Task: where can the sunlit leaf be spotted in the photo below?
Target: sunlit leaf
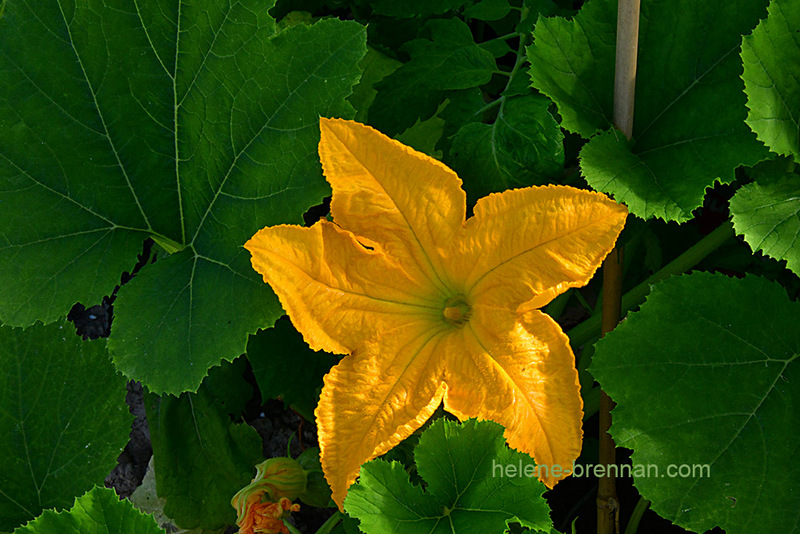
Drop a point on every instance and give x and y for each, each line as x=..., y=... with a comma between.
x=767, y=213
x=689, y=130
x=466, y=468
x=99, y=511
x=771, y=57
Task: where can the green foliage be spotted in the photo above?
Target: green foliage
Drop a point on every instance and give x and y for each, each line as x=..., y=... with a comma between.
x=195, y=124
x=707, y=374
x=99, y=511
x=415, y=8
x=286, y=368
x=463, y=466
x=689, y=129
x=771, y=57
x=63, y=419
x=488, y=10
x=449, y=59
x=767, y=213
x=201, y=457
x=572, y=62
x=523, y=146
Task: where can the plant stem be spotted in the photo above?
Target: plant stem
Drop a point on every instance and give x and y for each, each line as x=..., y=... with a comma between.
x=624, y=89
x=636, y=516
x=607, y=502
x=517, y=64
x=331, y=523
x=590, y=328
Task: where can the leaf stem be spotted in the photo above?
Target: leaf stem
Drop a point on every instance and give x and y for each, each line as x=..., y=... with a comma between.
x=589, y=329
x=636, y=516
x=505, y=37
x=517, y=64
x=328, y=526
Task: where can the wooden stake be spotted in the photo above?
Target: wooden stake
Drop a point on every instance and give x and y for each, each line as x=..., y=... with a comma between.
x=624, y=91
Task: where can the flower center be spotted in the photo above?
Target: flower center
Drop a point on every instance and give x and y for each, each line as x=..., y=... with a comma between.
x=456, y=311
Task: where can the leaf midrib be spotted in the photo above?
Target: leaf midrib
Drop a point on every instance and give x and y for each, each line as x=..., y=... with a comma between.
x=100, y=116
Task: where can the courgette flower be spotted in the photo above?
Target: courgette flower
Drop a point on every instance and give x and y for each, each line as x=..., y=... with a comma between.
x=431, y=307
x=262, y=505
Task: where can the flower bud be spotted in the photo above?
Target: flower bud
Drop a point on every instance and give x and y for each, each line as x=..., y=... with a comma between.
x=262, y=504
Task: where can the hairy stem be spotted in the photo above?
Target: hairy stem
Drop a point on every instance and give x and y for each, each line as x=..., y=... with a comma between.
x=589, y=329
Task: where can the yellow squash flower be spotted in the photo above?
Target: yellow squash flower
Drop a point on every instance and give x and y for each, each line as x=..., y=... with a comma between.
x=432, y=307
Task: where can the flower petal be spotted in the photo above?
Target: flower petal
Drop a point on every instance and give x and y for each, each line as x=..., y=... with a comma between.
x=522, y=375
x=337, y=292
x=391, y=194
x=523, y=247
x=375, y=398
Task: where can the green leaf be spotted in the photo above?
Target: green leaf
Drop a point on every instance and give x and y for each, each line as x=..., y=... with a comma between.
x=201, y=457
x=469, y=488
x=99, y=511
x=707, y=374
x=689, y=129
x=318, y=492
x=63, y=419
x=767, y=214
x=463, y=107
x=415, y=8
x=572, y=62
x=286, y=368
x=524, y=146
x=375, y=66
x=771, y=57
x=450, y=59
x=488, y=10
x=195, y=123
x=424, y=136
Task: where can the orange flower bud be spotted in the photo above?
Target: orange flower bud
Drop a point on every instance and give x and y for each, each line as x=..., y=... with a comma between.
x=262, y=505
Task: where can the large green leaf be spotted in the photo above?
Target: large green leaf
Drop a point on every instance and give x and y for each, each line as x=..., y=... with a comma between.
x=450, y=59
x=707, y=375
x=471, y=487
x=63, y=419
x=767, y=214
x=99, y=511
x=689, y=130
x=524, y=146
x=194, y=123
x=201, y=457
x=771, y=57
